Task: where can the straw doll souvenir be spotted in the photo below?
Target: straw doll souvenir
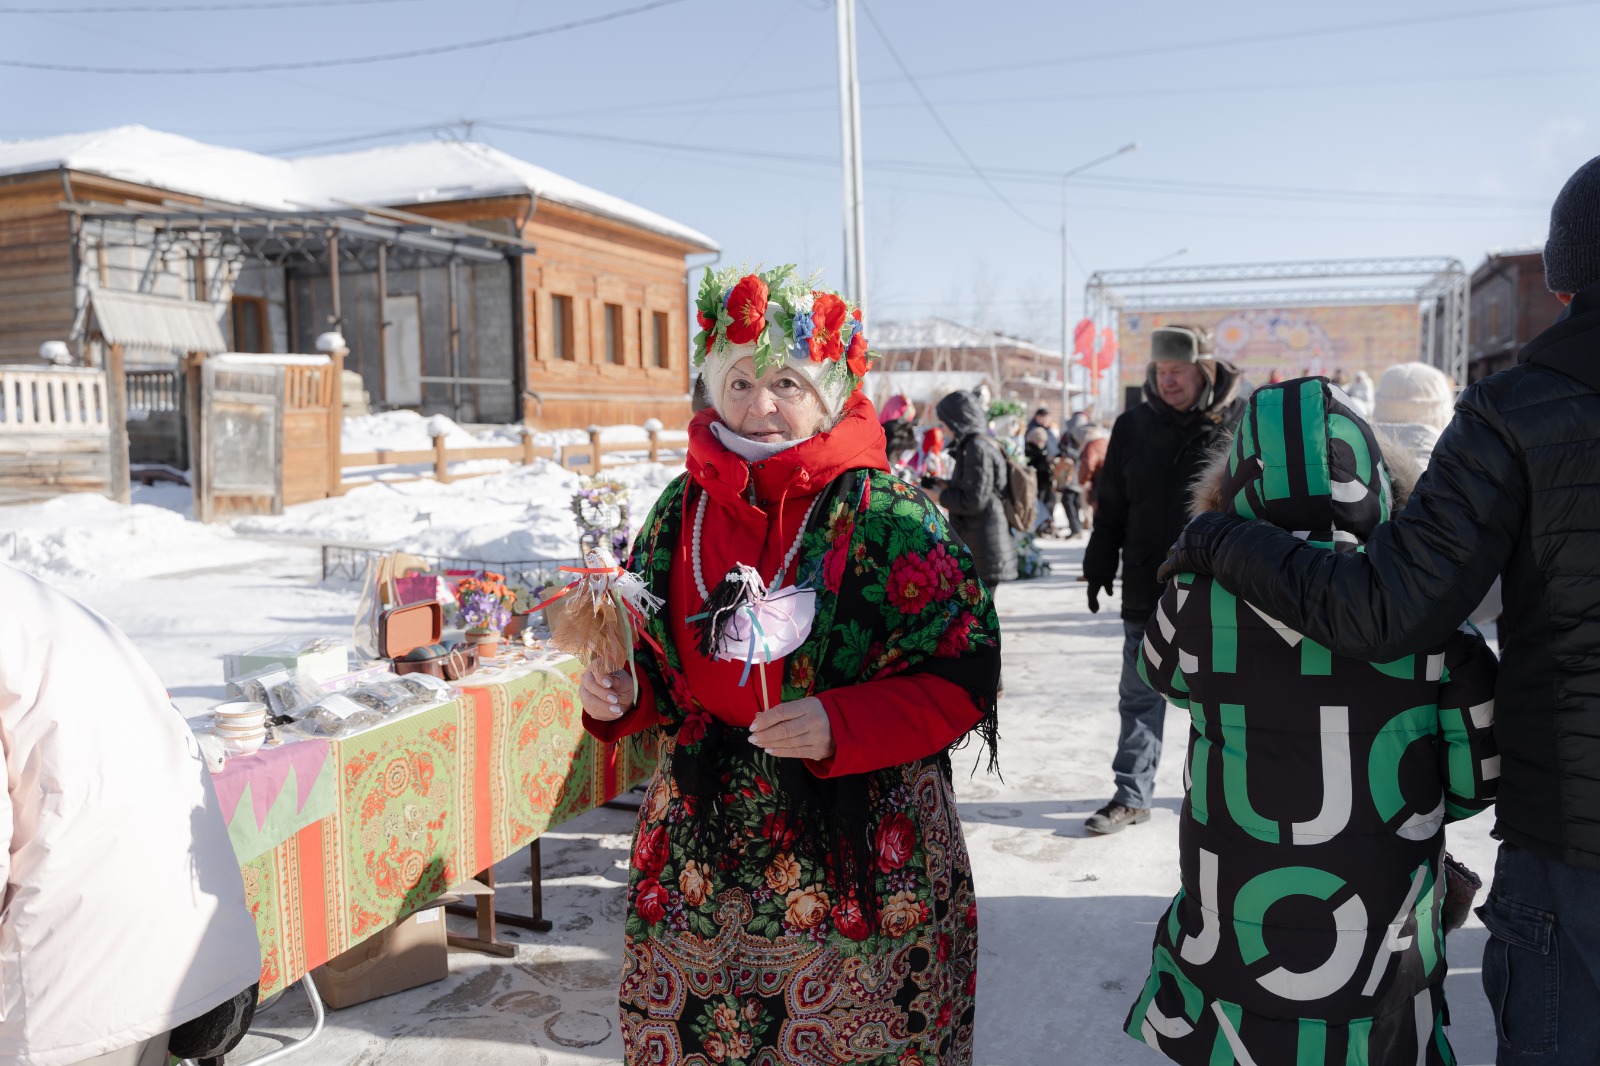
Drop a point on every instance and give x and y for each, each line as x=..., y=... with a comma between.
x=799, y=887
x=606, y=604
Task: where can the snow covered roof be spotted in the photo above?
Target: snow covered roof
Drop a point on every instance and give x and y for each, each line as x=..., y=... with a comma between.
x=433, y=171
x=933, y=332
x=163, y=160
x=393, y=176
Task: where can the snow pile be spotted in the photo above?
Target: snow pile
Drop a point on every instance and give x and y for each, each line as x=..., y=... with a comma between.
x=521, y=513
x=408, y=431
x=86, y=538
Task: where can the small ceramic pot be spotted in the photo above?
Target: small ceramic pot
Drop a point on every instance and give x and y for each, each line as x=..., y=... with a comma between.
x=487, y=641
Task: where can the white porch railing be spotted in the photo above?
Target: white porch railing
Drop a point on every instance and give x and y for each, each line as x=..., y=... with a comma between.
x=52, y=401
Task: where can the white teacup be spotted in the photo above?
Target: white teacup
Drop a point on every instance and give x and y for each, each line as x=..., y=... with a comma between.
x=243, y=745
x=240, y=711
x=239, y=732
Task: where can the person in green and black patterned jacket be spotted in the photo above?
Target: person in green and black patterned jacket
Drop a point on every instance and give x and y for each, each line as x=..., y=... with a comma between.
x=1317, y=786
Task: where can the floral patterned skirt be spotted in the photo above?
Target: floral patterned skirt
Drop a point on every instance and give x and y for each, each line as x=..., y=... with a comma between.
x=747, y=953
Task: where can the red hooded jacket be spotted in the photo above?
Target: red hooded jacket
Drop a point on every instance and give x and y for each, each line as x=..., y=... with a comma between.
x=876, y=724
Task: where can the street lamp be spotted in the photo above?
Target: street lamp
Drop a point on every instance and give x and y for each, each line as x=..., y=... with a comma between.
x=1066, y=320
x=1158, y=260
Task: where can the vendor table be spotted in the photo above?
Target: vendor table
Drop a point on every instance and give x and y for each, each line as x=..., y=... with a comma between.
x=339, y=839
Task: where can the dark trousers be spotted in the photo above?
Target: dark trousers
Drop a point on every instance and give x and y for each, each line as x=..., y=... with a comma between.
x=1071, y=502
x=1541, y=966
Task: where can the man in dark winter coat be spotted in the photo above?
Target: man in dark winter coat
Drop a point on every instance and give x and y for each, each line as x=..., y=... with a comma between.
x=1512, y=491
x=973, y=494
x=1157, y=448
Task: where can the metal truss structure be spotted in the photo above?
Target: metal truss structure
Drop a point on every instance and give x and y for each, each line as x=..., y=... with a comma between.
x=307, y=242
x=1437, y=285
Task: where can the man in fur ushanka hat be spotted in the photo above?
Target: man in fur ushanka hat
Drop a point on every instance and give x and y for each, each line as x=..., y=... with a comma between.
x=1156, y=448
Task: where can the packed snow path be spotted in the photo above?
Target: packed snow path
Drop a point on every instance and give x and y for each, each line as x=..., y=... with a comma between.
x=1065, y=919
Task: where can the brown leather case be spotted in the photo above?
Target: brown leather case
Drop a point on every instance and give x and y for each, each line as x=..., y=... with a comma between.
x=402, y=628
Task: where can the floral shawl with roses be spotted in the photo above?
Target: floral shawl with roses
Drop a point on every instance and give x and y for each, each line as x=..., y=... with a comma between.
x=776, y=917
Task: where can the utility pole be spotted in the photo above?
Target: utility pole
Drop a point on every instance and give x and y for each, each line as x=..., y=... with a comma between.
x=855, y=226
x=1066, y=319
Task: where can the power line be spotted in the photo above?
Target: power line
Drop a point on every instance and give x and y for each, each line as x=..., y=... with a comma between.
x=1048, y=177
x=1091, y=57
x=323, y=64
x=378, y=135
x=1268, y=38
x=194, y=8
x=939, y=120
x=656, y=110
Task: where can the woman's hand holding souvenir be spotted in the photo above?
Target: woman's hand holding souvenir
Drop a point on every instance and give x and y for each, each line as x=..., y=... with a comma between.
x=797, y=730
x=606, y=697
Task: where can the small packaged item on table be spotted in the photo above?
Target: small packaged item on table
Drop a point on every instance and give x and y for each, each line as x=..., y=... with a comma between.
x=335, y=716
x=282, y=689
x=429, y=687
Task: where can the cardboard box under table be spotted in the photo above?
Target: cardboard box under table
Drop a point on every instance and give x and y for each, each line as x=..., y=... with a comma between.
x=415, y=806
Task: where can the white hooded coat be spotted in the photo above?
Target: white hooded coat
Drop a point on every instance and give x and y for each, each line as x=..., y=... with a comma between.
x=123, y=911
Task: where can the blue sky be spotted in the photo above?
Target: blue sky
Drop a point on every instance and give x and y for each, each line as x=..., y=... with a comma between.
x=1452, y=133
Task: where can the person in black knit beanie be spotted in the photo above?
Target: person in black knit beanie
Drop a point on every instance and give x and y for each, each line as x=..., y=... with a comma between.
x=1572, y=251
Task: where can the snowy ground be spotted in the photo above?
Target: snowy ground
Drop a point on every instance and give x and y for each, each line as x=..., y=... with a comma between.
x=1065, y=919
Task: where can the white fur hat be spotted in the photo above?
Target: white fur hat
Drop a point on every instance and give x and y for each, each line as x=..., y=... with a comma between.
x=834, y=389
x=1414, y=392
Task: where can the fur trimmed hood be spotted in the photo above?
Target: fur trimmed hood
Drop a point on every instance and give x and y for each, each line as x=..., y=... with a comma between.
x=1218, y=486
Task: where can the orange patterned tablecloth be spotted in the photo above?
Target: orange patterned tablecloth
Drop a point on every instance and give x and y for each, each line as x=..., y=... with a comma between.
x=425, y=802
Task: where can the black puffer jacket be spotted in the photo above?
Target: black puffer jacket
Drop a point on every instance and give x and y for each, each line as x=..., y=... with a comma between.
x=1513, y=489
x=977, y=514
x=1152, y=461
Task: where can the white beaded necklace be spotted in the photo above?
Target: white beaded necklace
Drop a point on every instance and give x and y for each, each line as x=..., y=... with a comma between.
x=794, y=549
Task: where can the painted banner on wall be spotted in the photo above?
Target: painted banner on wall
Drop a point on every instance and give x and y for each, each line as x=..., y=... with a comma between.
x=1293, y=341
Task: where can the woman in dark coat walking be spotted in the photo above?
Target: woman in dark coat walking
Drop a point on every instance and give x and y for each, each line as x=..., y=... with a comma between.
x=1035, y=447
x=973, y=495
x=1308, y=926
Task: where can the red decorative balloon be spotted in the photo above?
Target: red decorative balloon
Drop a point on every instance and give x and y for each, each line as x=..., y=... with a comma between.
x=1083, y=338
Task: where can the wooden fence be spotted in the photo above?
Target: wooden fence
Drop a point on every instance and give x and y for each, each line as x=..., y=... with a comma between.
x=55, y=433
x=589, y=458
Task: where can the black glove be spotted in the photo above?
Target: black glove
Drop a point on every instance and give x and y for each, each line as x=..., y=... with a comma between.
x=1095, y=585
x=1195, y=547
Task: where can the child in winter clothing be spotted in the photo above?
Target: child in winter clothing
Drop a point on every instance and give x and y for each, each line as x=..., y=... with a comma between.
x=1316, y=788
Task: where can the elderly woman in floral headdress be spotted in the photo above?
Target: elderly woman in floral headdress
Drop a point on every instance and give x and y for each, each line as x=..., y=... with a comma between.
x=800, y=890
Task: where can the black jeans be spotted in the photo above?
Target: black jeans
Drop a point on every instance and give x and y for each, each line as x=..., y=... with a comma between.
x=1071, y=502
x=1541, y=966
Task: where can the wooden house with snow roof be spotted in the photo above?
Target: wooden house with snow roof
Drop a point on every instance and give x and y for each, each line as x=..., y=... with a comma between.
x=925, y=358
x=464, y=281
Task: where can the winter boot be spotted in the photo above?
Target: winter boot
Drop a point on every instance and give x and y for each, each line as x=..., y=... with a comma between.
x=1114, y=818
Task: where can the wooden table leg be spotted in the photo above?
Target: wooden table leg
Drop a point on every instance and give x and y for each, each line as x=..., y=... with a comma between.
x=483, y=909
x=487, y=942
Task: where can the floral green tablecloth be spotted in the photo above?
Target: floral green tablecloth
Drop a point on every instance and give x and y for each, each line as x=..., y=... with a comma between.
x=425, y=802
